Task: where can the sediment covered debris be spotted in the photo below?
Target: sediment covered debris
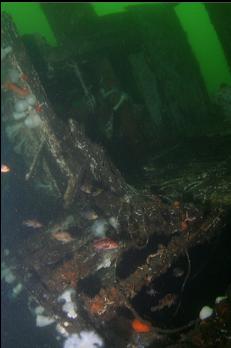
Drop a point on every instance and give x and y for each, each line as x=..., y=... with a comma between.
x=113, y=243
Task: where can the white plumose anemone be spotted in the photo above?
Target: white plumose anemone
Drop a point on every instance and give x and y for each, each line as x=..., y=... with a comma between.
x=31, y=99
x=99, y=228
x=113, y=221
x=220, y=299
x=205, y=312
x=42, y=320
x=17, y=290
x=39, y=310
x=21, y=105
x=61, y=330
x=85, y=339
x=7, y=274
x=33, y=120
x=13, y=75
x=70, y=308
x=19, y=115
x=66, y=295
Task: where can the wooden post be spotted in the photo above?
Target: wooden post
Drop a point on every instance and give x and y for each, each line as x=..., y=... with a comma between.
x=220, y=17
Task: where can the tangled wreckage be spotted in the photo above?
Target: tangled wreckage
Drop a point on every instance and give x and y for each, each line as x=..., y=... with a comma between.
x=131, y=258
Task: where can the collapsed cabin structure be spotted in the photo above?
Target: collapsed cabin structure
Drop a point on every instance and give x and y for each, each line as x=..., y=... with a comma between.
x=177, y=209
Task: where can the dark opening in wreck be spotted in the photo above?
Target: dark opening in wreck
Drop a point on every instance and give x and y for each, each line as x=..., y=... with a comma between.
x=209, y=276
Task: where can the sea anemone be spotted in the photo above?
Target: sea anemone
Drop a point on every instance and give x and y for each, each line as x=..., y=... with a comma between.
x=42, y=320
x=66, y=295
x=19, y=115
x=113, y=221
x=205, y=312
x=61, y=330
x=21, y=105
x=33, y=120
x=21, y=137
x=13, y=130
x=7, y=274
x=17, y=290
x=69, y=306
x=70, y=309
x=85, y=339
x=13, y=75
x=5, y=51
x=39, y=310
x=99, y=228
x=31, y=99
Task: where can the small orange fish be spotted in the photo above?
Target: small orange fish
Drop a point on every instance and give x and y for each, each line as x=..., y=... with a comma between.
x=176, y=205
x=62, y=236
x=184, y=226
x=166, y=302
x=5, y=168
x=32, y=223
x=89, y=215
x=105, y=244
x=24, y=77
x=20, y=91
x=141, y=326
x=39, y=107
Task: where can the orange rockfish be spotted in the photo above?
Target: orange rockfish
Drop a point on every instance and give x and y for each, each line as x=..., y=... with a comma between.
x=32, y=223
x=141, y=326
x=105, y=244
x=5, y=168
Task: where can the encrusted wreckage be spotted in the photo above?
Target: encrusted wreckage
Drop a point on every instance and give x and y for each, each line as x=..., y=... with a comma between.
x=112, y=242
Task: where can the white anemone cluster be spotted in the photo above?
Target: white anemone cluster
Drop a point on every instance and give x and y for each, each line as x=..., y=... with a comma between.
x=42, y=320
x=7, y=274
x=205, y=312
x=69, y=307
x=85, y=339
x=99, y=228
x=24, y=109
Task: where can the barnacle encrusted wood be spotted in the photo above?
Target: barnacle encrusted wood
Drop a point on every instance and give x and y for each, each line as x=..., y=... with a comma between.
x=50, y=137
